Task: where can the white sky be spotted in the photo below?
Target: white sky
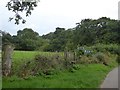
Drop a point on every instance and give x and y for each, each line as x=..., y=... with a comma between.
x=59, y=13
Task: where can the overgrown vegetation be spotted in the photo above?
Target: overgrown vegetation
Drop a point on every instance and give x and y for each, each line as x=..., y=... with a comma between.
x=80, y=78
x=36, y=63
x=50, y=70
x=77, y=57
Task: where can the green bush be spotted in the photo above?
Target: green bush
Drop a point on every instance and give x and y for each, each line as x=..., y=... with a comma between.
x=98, y=48
x=93, y=59
x=102, y=58
x=112, y=48
x=42, y=65
x=118, y=59
x=84, y=60
x=76, y=66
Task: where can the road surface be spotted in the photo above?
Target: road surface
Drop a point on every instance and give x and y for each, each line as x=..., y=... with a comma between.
x=112, y=80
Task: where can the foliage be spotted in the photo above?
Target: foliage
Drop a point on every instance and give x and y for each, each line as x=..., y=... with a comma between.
x=102, y=30
x=88, y=32
x=6, y=38
x=102, y=58
x=118, y=59
x=27, y=39
x=91, y=41
x=81, y=78
x=36, y=63
x=103, y=33
x=20, y=58
x=18, y=6
x=112, y=48
x=60, y=40
x=43, y=63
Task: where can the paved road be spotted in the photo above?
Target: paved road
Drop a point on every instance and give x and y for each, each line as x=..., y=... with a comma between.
x=111, y=81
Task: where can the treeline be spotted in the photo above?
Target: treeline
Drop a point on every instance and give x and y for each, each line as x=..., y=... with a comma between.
x=88, y=32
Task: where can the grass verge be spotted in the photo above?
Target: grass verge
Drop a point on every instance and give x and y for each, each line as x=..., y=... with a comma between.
x=88, y=76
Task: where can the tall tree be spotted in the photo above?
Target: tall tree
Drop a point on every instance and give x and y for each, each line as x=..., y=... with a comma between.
x=103, y=30
x=18, y=6
x=27, y=39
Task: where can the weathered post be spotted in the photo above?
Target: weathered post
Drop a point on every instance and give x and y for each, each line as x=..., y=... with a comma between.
x=66, y=59
x=7, y=59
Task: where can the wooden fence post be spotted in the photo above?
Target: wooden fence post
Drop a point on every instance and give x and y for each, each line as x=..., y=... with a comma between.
x=7, y=59
x=65, y=58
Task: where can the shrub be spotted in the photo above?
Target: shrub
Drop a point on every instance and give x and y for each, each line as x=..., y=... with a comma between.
x=42, y=65
x=84, y=60
x=102, y=58
x=48, y=64
x=118, y=59
x=98, y=48
x=93, y=59
x=112, y=48
x=76, y=66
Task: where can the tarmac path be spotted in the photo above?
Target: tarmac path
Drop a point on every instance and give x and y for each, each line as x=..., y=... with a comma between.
x=112, y=80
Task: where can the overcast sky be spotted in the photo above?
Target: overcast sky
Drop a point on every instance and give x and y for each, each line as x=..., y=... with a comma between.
x=59, y=13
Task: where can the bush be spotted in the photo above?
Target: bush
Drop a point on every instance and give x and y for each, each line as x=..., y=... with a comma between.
x=76, y=66
x=102, y=58
x=112, y=48
x=98, y=48
x=42, y=65
x=93, y=59
x=84, y=60
x=118, y=59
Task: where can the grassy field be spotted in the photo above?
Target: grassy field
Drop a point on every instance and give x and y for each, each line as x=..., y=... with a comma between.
x=87, y=76
x=21, y=57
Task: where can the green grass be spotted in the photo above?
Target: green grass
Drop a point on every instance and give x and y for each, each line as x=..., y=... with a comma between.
x=87, y=76
x=25, y=55
x=21, y=57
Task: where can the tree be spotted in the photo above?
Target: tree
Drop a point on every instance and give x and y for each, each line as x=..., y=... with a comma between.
x=6, y=38
x=83, y=34
x=27, y=39
x=103, y=30
x=18, y=6
x=57, y=39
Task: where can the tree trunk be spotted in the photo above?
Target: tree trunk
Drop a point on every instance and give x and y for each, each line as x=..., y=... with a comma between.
x=7, y=59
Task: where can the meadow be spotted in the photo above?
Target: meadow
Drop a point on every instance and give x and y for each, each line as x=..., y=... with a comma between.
x=81, y=76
